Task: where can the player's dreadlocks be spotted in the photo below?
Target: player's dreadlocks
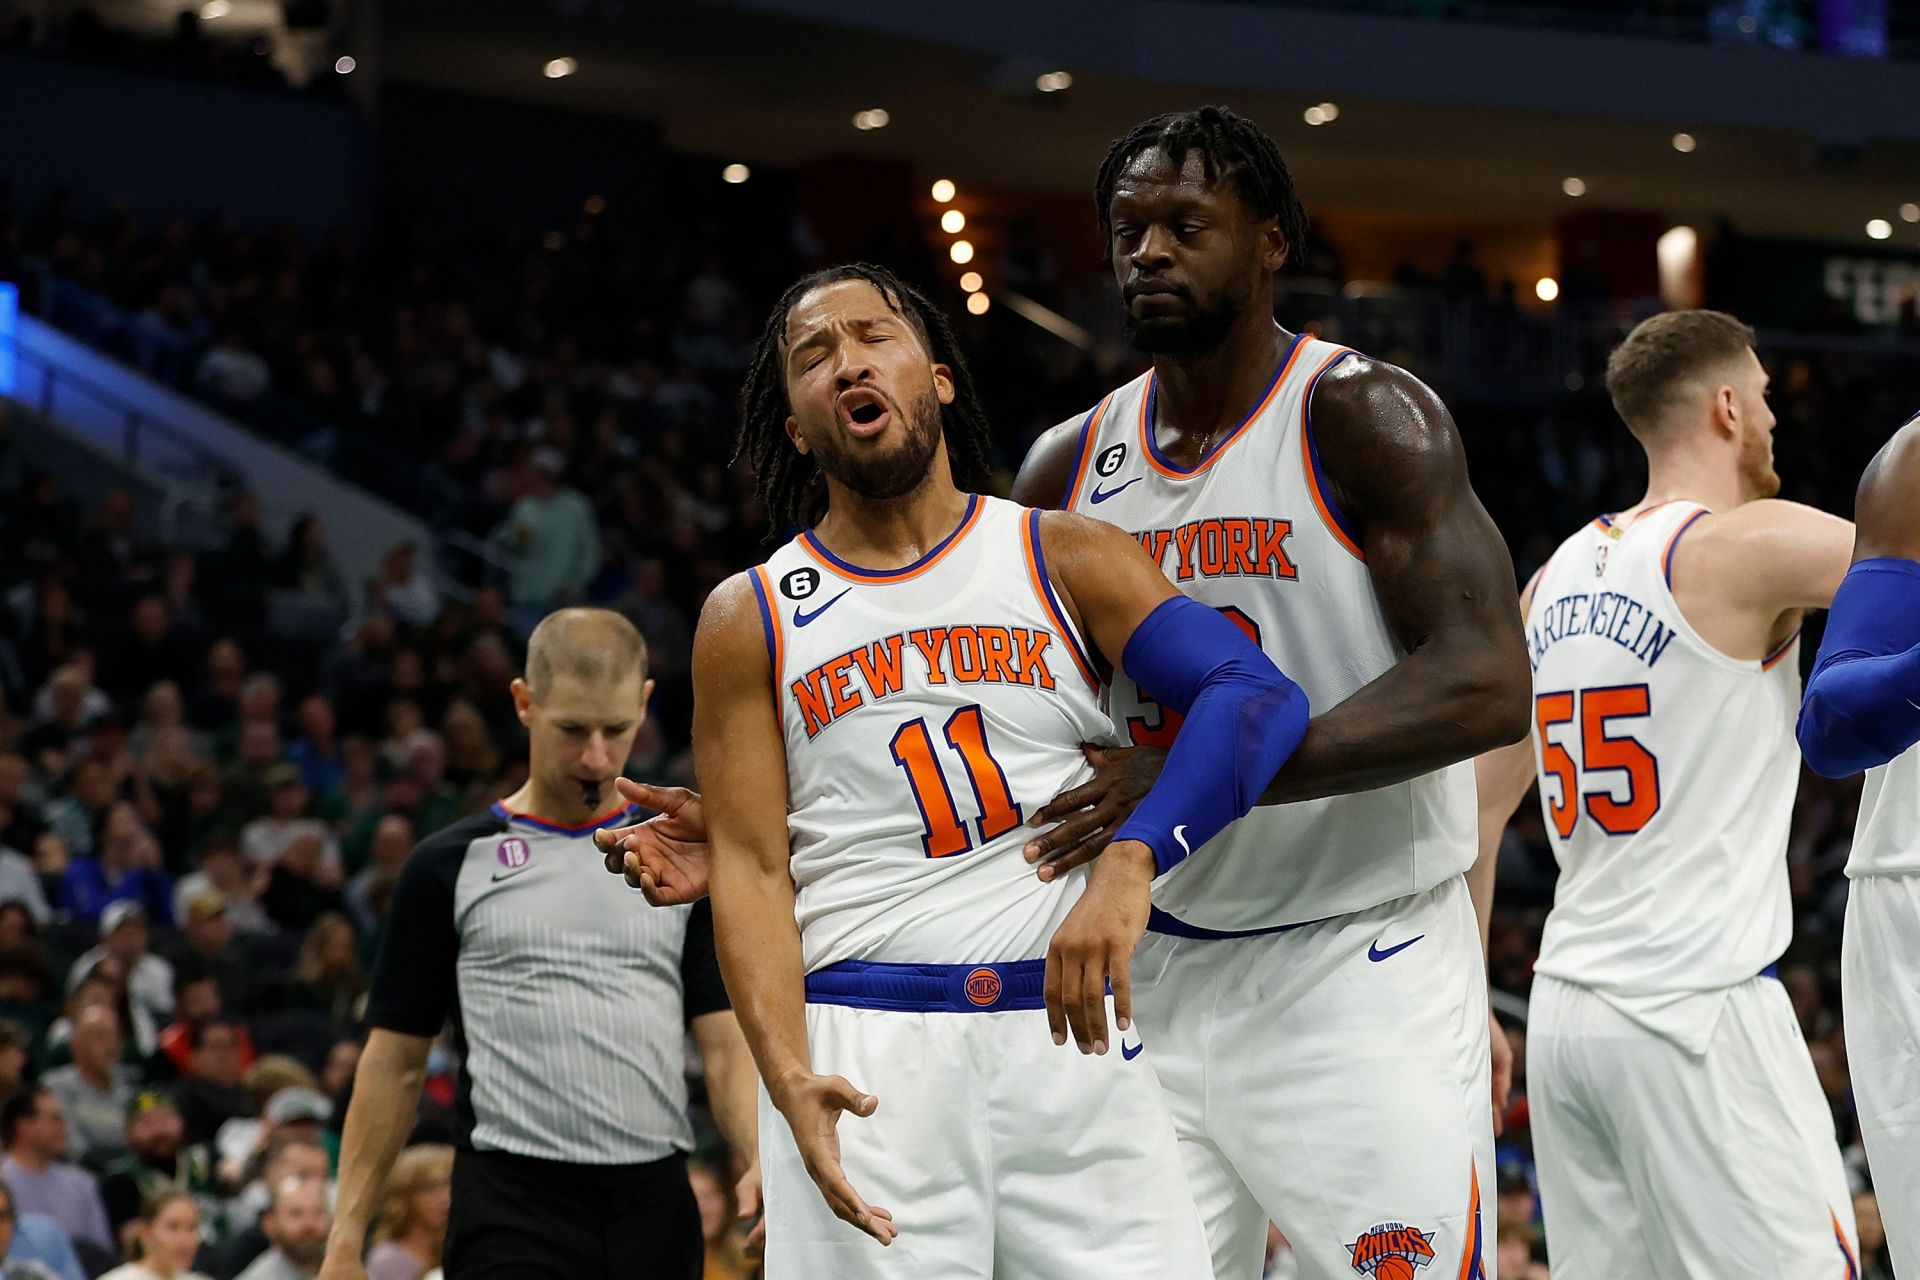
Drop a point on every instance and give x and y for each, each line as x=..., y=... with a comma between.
x=1232, y=147
x=789, y=482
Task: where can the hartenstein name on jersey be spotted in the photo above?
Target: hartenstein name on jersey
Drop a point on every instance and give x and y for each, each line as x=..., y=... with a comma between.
x=1223, y=547
x=1622, y=619
x=960, y=655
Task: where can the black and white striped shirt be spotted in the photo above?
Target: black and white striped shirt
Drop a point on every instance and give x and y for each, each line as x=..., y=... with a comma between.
x=569, y=995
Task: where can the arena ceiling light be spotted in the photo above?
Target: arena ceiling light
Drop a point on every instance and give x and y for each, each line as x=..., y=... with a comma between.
x=735, y=174
x=1321, y=113
x=972, y=282
x=977, y=304
x=559, y=68
x=1910, y=212
x=953, y=222
x=1684, y=143
x=1053, y=82
x=344, y=66
x=961, y=252
x=1879, y=229
x=213, y=9
x=944, y=190
x=1575, y=187
x=1546, y=288
x=871, y=119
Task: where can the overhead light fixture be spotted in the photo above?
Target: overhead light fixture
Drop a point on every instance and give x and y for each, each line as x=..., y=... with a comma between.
x=735, y=174
x=977, y=304
x=1910, y=212
x=1684, y=143
x=972, y=282
x=557, y=69
x=1315, y=115
x=595, y=206
x=873, y=118
x=1546, y=288
x=1053, y=82
x=953, y=221
x=1575, y=187
x=1329, y=112
x=961, y=252
x=344, y=66
x=213, y=9
x=944, y=191
x=1879, y=229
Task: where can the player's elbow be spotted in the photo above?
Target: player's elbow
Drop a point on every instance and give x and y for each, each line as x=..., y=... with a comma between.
x=1498, y=695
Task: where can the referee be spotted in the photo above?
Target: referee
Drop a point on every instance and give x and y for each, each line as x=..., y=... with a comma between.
x=569, y=998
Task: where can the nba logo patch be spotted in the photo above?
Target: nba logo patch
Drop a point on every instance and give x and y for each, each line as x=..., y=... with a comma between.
x=1600, y=559
x=983, y=987
x=513, y=853
x=1391, y=1251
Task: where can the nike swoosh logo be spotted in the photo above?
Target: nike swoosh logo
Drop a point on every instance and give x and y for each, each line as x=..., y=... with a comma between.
x=1375, y=954
x=801, y=617
x=1130, y=1053
x=1101, y=495
x=1180, y=836
x=498, y=876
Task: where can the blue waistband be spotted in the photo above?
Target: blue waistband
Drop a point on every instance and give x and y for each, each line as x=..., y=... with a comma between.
x=930, y=988
x=1159, y=921
x=1771, y=971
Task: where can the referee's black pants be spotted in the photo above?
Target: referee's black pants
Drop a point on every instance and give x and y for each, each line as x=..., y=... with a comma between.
x=517, y=1218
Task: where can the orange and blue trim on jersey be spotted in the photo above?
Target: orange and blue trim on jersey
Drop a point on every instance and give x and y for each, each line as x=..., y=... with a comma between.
x=1786, y=646
x=587, y=828
x=1473, y=1265
x=1165, y=465
x=1343, y=532
x=1846, y=1250
x=1050, y=603
x=763, y=596
x=881, y=577
x=1083, y=459
x=1666, y=557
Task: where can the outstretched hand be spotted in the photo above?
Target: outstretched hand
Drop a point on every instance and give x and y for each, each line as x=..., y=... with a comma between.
x=665, y=857
x=1090, y=813
x=813, y=1105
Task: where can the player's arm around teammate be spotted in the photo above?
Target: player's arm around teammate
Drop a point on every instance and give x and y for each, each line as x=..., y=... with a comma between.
x=1441, y=571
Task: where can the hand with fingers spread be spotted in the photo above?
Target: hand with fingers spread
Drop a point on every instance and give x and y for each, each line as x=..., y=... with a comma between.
x=1090, y=813
x=1502, y=1071
x=1094, y=945
x=812, y=1105
x=665, y=857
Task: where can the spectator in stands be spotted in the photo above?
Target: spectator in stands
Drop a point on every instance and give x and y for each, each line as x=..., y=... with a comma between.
x=287, y=1159
x=13, y=1057
x=178, y=794
x=20, y=883
x=552, y=541
x=230, y=372
x=336, y=1076
x=263, y=840
x=51, y=633
x=206, y=948
x=127, y=867
x=393, y=840
x=472, y=760
x=166, y=1236
x=316, y=752
x=103, y=985
x=238, y=573
x=21, y=824
x=124, y=935
x=35, y=1134
x=244, y=786
x=157, y=1157
x=303, y=885
x=26, y=987
x=197, y=1001
x=296, y=1222
x=726, y=1251
x=222, y=875
x=403, y=588
x=154, y=649
x=346, y=803
x=212, y=1093
x=412, y=1228
x=327, y=977
x=109, y=557
x=32, y=1245
x=215, y=704
x=306, y=568
x=77, y=816
x=94, y=1089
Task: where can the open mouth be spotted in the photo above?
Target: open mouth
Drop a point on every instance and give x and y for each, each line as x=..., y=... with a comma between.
x=863, y=412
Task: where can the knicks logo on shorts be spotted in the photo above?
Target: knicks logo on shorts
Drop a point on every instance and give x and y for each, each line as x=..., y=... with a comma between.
x=1391, y=1251
x=983, y=987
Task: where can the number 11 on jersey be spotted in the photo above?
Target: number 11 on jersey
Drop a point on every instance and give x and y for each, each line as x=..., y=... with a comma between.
x=946, y=834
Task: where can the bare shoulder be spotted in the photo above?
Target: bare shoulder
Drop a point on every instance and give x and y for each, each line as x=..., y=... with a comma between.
x=1068, y=535
x=1887, y=507
x=1047, y=473
x=1385, y=439
x=1755, y=525
x=731, y=629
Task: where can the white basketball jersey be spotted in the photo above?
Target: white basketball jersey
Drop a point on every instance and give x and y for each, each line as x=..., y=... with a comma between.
x=1887, y=839
x=1251, y=532
x=1667, y=775
x=928, y=712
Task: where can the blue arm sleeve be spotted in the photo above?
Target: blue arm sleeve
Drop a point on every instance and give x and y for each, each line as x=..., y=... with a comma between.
x=1243, y=719
x=1862, y=706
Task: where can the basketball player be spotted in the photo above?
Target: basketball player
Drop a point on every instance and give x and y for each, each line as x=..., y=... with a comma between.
x=1862, y=711
x=1313, y=985
x=1677, y=1123
x=878, y=709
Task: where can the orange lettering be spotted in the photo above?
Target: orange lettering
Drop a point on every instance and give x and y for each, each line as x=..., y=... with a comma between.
x=880, y=665
x=997, y=647
x=807, y=691
x=839, y=677
x=1032, y=657
x=930, y=643
x=963, y=652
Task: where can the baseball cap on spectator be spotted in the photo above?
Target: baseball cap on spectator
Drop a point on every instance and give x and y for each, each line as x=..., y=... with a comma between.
x=284, y=774
x=118, y=912
x=294, y=1106
x=148, y=1100
x=205, y=905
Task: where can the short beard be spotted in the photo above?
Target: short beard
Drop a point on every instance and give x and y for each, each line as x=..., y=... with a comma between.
x=308, y=1256
x=1200, y=332
x=898, y=472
